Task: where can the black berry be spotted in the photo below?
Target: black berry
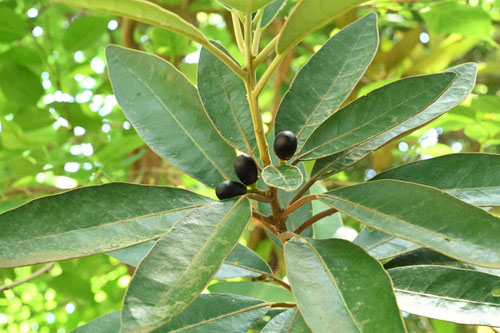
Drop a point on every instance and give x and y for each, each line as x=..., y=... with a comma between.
x=285, y=145
x=229, y=189
x=246, y=169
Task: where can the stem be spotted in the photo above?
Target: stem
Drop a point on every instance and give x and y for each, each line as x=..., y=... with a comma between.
x=33, y=276
x=258, y=197
x=282, y=305
x=280, y=282
x=257, y=35
x=265, y=221
x=225, y=59
x=314, y=219
x=237, y=31
x=265, y=52
x=303, y=190
x=267, y=74
x=297, y=204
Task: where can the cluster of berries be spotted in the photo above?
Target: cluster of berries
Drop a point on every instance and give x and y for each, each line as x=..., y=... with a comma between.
x=285, y=145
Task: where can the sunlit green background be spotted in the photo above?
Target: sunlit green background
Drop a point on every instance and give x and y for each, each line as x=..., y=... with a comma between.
x=61, y=127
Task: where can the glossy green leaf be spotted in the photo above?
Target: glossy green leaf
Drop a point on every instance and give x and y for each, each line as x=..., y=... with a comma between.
x=13, y=26
x=423, y=215
x=285, y=177
x=225, y=99
x=271, y=11
x=243, y=262
x=337, y=284
x=261, y=290
x=109, y=323
x=290, y=321
x=472, y=177
x=456, y=93
x=375, y=113
x=328, y=78
x=381, y=245
x=308, y=16
x=90, y=220
x=166, y=111
x=217, y=313
x=84, y=32
x=446, y=293
x=244, y=5
x=425, y=256
x=182, y=263
x=143, y=11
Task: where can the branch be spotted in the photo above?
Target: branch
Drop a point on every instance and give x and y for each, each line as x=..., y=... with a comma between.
x=314, y=219
x=33, y=276
x=280, y=282
x=297, y=204
x=265, y=52
x=267, y=74
x=282, y=305
x=303, y=190
x=265, y=221
x=258, y=197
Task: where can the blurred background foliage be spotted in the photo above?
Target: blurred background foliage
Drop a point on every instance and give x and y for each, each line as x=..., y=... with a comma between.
x=60, y=126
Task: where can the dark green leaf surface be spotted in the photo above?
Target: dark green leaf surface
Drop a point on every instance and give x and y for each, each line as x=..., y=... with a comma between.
x=308, y=16
x=423, y=215
x=243, y=262
x=225, y=99
x=375, y=113
x=472, y=177
x=90, y=220
x=217, y=313
x=13, y=26
x=425, y=256
x=285, y=177
x=109, y=323
x=261, y=290
x=271, y=11
x=166, y=111
x=381, y=245
x=182, y=263
x=446, y=293
x=339, y=285
x=328, y=78
x=290, y=321
x=143, y=11
x=456, y=93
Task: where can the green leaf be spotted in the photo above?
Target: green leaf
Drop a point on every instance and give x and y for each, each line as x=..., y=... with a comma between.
x=245, y=5
x=326, y=227
x=271, y=11
x=381, y=245
x=109, y=323
x=423, y=215
x=20, y=85
x=167, y=113
x=446, y=293
x=328, y=78
x=182, y=263
x=425, y=256
x=260, y=290
x=225, y=99
x=337, y=284
x=456, y=93
x=217, y=313
x=452, y=17
x=90, y=220
x=13, y=26
x=290, y=321
x=243, y=262
x=308, y=16
x=375, y=113
x=472, y=177
x=285, y=177
x=84, y=32
x=143, y=11
x=170, y=44
x=133, y=255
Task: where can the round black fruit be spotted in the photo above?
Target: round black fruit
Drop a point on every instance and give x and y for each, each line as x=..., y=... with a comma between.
x=246, y=169
x=229, y=189
x=285, y=145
